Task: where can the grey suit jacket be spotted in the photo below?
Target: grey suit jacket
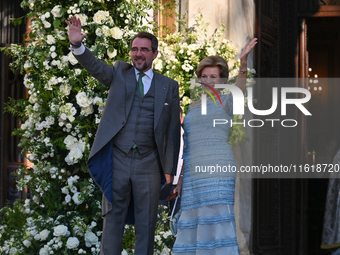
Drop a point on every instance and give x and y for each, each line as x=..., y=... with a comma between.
x=121, y=81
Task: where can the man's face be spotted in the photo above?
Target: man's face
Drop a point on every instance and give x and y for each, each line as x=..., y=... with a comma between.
x=142, y=62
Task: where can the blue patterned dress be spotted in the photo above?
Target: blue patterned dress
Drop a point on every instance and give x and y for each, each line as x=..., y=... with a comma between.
x=207, y=224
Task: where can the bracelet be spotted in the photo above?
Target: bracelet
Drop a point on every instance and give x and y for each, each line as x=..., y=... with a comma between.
x=76, y=45
x=243, y=71
x=181, y=175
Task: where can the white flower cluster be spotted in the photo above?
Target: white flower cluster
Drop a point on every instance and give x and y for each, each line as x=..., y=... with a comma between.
x=186, y=66
x=85, y=103
x=44, y=18
x=52, y=235
x=76, y=148
x=66, y=113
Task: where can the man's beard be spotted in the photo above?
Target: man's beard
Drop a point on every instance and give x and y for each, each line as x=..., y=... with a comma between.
x=144, y=67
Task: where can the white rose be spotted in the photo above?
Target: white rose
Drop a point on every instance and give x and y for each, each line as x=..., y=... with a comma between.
x=165, y=251
x=87, y=110
x=44, y=234
x=77, y=199
x=63, y=116
x=74, y=189
x=83, y=100
x=93, y=224
x=124, y=252
x=36, y=199
x=72, y=59
x=116, y=33
x=73, y=111
x=99, y=16
x=50, y=120
x=77, y=71
x=211, y=51
x=37, y=237
x=99, y=32
x=72, y=180
x=13, y=251
x=67, y=198
x=27, y=243
x=46, y=24
x=60, y=230
x=33, y=98
x=56, y=11
x=65, y=190
x=38, y=126
x=72, y=242
x=112, y=54
x=159, y=65
x=70, y=142
x=43, y=251
x=50, y=39
x=90, y=239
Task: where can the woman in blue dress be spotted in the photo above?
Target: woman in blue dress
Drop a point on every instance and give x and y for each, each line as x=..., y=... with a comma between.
x=207, y=182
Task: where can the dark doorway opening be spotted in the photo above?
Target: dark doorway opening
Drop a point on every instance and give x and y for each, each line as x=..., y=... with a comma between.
x=323, y=127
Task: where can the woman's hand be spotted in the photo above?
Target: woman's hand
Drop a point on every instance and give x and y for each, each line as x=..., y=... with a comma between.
x=246, y=50
x=74, y=30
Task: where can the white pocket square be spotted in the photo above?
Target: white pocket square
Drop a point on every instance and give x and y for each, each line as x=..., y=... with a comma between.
x=166, y=104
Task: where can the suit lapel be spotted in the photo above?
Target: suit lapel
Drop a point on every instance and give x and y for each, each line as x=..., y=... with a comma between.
x=130, y=86
x=161, y=90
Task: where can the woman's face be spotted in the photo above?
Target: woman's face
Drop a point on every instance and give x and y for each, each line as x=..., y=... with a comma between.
x=210, y=75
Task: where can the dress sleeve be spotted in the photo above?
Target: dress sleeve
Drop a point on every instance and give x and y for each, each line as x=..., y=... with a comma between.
x=227, y=104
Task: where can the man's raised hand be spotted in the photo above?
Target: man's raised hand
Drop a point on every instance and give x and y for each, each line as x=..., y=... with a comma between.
x=74, y=34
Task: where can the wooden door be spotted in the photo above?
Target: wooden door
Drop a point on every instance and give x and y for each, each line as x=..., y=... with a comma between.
x=10, y=86
x=277, y=210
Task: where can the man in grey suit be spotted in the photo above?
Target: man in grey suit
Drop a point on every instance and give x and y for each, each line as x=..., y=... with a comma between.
x=137, y=139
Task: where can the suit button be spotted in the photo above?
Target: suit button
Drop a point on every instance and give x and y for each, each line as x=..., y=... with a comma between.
x=123, y=122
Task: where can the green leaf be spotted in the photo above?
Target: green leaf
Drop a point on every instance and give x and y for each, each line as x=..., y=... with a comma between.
x=81, y=2
x=56, y=23
x=17, y=22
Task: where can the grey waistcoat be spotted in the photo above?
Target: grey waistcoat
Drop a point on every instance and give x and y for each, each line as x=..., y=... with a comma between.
x=139, y=127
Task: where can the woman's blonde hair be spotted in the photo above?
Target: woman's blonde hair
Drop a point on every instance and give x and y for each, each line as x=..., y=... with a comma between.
x=213, y=61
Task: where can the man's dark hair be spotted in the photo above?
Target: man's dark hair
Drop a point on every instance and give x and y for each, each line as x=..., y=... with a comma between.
x=151, y=37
